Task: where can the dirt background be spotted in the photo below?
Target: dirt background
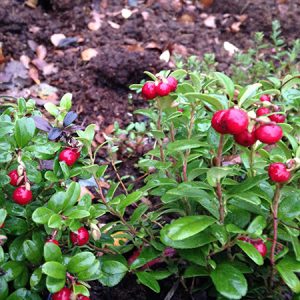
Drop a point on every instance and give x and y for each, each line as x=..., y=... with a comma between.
x=31, y=65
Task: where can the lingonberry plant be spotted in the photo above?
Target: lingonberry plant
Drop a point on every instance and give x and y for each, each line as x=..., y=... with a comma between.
x=218, y=210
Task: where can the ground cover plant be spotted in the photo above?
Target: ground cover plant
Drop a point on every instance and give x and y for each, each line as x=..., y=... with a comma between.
x=221, y=177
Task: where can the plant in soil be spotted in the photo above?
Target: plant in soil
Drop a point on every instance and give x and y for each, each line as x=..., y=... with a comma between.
x=216, y=208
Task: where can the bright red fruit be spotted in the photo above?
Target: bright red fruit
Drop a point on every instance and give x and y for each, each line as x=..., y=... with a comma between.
x=235, y=120
x=53, y=241
x=82, y=297
x=63, y=294
x=21, y=195
x=245, y=138
x=265, y=98
x=269, y=134
x=163, y=89
x=278, y=172
x=172, y=82
x=149, y=90
x=262, y=111
x=79, y=237
x=278, y=118
x=260, y=247
x=13, y=175
x=217, y=122
x=69, y=156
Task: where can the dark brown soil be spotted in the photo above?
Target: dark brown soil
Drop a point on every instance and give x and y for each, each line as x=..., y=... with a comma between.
x=127, y=47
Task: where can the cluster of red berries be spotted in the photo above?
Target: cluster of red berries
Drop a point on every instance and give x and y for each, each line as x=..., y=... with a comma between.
x=160, y=88
x=235, y=121
x=21, y=195
x=258, y=244
x=69, y=156
x=66, y=294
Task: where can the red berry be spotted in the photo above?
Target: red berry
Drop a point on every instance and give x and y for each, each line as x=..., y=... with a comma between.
x=82, y=297
x=245, y=138
x=172, y=82
x=21, y=195
x=235, y=120
x=244, y=239
x=13, y=177
x=217, y=122
x=63, y=294
x=262, y=111
x=260, y=247
x=69, y=156
x=278, y=118
x=269, y=134
x=53, y=241
x=2, y=225
x=278, y=172
x=265, y=98
x=149, y=90
x=163, y=89
x=79, y=237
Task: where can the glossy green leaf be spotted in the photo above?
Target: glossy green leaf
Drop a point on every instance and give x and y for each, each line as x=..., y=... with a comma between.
x=226, y=82
x=41, y=215
x=251, y=251
x=54, y=269
x=52, y=252
x=24, y=131
x=148, y=280
x=81, y=262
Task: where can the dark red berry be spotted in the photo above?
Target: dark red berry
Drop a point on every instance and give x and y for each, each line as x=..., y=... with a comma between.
x=260, y=247
x=278, y=118
x=2, y=225
x=69, y=156
x=262, y=111
x=82, y=297
x=269, y=134
x=278, y=172
x=149, y=90
x=21, y=195
x=245, y=138
x=172, y=82
x=235, y=120
x=244, y=239
x=217, y=122
x=53, y=241
x=79, y=237
x=265, y=98
x=76, y=151
x=163, y=89
x=13, y=175
x=63, y=294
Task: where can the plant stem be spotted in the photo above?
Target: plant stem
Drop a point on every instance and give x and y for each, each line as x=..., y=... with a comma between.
x=275, y=205
x=251, y=161
x=161, y=150
x=219, y=187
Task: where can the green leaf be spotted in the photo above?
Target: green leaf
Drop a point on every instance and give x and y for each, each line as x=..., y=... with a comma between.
x=3, y=289
x=21, y=294
x=80, y=289
x=251, y=251
x=36, y=277
x=146, y=255
x=12, y=270
x=182, y=145
x=178, y=74
x=257, y=226
x=227, y=83
x=148, y=280
x=246, y=185
x=52, y=252
x=55, y=221
x=77, y=214
x=51, y=109
x=290, y=206
x=56, y=202
x=186, y=227
x=287, y=268
x=72, y=195
x=229, y=281
x=215, y=174
x=195, y=271
x=112, y=272
x=80, y=262
x=212, y=101
x=66, y=101
x=91, y=273
x=16, y=251
x=24, y=131
x=41, y=215
x=248, y=93
x=32, y=251
x=3, y=214
x=152, y=76
x=54, y=269
x=54, y=285
x=130, y=199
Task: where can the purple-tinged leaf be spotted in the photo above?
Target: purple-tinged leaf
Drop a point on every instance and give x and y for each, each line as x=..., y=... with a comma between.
x=54, y=133
x=70, y=117
x=42, y=124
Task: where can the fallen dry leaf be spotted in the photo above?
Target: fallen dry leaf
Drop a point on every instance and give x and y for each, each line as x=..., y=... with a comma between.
x=210, y=22
x=34, y=29
x=40, y=64
x=49, y=69
x=88, y=54
x=96, y=23
x=25, y=60
x=165, y=56
x=235, y=27
x=206, y=3
x=57, y=38
x=44, y=93
x=135, y=48
x=113, y=25
x=109, y=129
x=41, y=52
x=187, y=19
x=84, y=190
x=230, y=48
x=152, y=45
x=126, y=13
x=32, y=45
x=32, y=3
x=34, y=74
x=2, y=58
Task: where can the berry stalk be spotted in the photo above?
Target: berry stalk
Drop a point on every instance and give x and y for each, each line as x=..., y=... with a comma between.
x=219, y=187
